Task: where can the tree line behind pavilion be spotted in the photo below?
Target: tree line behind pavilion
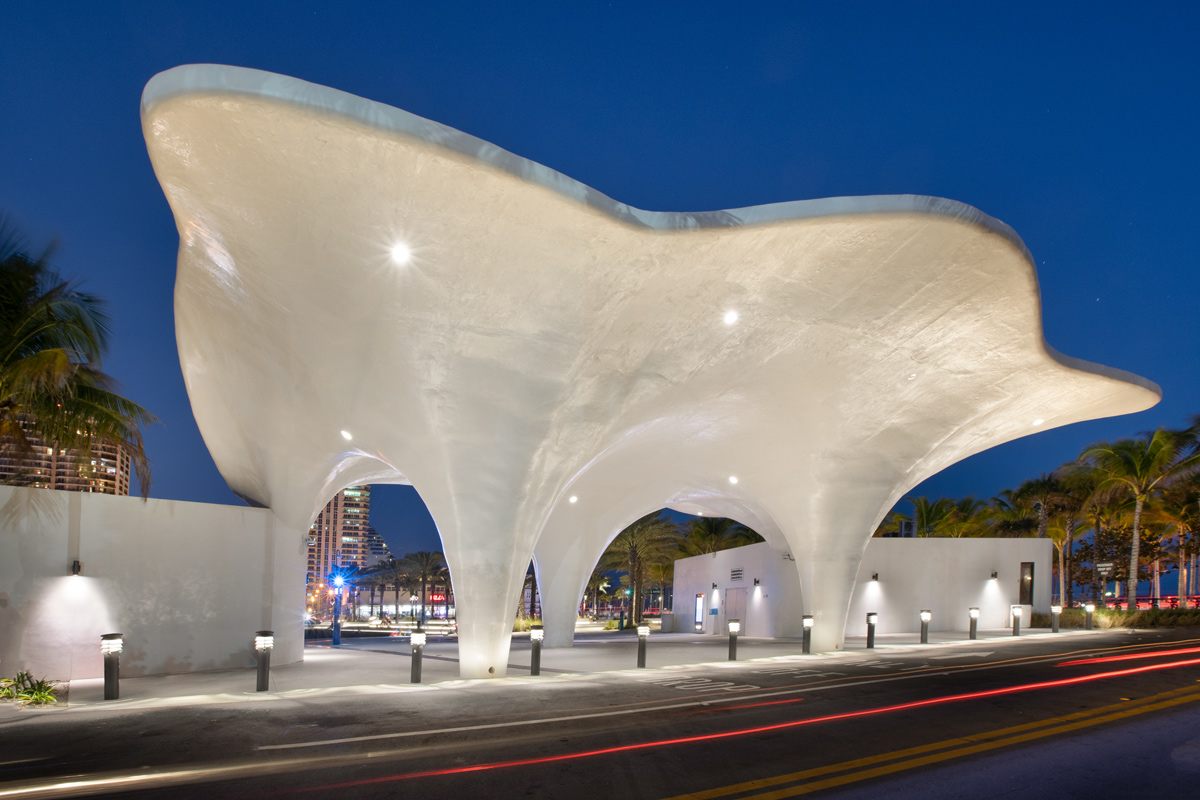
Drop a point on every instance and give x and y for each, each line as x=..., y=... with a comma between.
x=1131, y=506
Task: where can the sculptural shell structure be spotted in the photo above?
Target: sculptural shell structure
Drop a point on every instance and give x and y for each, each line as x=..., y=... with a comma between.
x=505, y=338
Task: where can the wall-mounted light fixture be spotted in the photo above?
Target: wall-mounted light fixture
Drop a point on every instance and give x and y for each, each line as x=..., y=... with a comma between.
x=756, y=581
x=995, y=575
x=874, y=576
x=76, y=567
x=714, y=586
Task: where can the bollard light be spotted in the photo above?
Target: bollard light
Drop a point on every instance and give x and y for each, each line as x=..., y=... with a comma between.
x=872, y=621
x=973, y=613
x=264, y=643
x=926, y=616
x=537, y=635
x=417, y=639
x=735, y=627
x=643, y=633
x=1055, y=611
x=806, y=642
x=111, y=645
x=1016, y=615
x=1087, y=619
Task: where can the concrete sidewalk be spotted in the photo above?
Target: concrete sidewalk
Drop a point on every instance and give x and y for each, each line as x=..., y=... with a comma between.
x=383, y=665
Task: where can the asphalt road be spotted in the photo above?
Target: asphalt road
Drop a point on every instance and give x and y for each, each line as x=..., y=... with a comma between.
x=1037, y=717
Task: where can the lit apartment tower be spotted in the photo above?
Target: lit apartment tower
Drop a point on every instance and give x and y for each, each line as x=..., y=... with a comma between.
x=339, y=536
x=377, y=549
x=56, y=468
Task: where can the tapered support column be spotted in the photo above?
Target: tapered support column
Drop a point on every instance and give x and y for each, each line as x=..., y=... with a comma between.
x=563, y=567
x=486, y=596
x=827, y=585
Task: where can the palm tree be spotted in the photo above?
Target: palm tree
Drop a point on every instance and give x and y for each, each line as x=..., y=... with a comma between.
x=1042, y=492
x=1013, y=515
x=1075, y=497
x=395, y=572
x=424, y=566
x=1142, y=468
x=1179, y=510
x=653, y=539
x=929, y=516
x=968, y=518
x=596, y=584
x=706, y=535
x=52, y=338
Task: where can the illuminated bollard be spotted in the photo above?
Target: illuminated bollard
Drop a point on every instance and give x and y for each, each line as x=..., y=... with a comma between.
x=111, y=645
x=735, y=627
x=926, y=615
x=537, y=634
x=643, y=632
x=1055, y=612
x=806, y=642
x=1087, y=617
x=872, y=621
x=1016, y=615
x=264, y=643
x=973, y=613
x=418, y=646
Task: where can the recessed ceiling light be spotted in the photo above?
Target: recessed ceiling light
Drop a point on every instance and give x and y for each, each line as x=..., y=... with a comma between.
x=731, y=317
x=733, y=478
x=572, y=499
x=401, y=253
x=1038, y=421
x=346, y=435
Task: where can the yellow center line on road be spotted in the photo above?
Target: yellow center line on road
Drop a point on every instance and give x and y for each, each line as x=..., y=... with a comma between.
x=924, y=755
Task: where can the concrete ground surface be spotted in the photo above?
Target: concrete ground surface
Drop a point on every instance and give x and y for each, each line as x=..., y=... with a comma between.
x=383, y=665
x=1041, y=715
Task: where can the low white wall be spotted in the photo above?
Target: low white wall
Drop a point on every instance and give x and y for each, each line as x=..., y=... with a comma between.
x=187, y=583
x=773, y=607
x=946, y=576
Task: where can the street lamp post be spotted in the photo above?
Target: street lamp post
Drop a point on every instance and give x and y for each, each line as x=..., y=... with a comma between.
x=735, y=627
x=1055, y=612
x=973, y=613
x=806, y=642
x=418, y=646
x=1016, y=615
x=926, y=615
x=111, y=645
x=264, y=643
x=872, y=621
x=536, y=634
x=643, y=633
x=338, y=583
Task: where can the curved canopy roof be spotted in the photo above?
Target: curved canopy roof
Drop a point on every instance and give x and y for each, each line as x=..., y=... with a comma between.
x=364, y=295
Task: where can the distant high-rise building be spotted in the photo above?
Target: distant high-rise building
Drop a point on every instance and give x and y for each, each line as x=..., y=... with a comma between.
x=340, y=536
x=58, y=468
x=377, y=549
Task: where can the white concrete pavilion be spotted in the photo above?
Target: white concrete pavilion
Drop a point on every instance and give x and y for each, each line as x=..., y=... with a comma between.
x=364, y=295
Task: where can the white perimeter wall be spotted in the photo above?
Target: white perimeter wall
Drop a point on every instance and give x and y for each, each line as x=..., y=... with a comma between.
x=187, y=583
x=946, y=576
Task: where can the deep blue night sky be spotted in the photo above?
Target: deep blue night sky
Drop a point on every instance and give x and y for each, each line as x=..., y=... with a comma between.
x=1077, y=126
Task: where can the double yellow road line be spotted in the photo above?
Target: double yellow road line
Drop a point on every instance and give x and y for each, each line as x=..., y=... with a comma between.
x=806, y=781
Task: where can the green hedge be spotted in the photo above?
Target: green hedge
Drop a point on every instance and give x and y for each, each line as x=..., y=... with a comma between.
x=1104, y=618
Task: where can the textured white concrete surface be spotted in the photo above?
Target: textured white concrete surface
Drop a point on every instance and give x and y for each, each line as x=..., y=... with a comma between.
x=187, y=583
x=504, y=338
x=946, y=576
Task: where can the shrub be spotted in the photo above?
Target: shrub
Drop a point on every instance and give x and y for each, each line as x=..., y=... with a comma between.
x=27, y=691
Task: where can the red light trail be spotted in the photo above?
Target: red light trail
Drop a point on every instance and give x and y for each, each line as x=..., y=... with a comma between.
x=1105, y=659
x=954, y=698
